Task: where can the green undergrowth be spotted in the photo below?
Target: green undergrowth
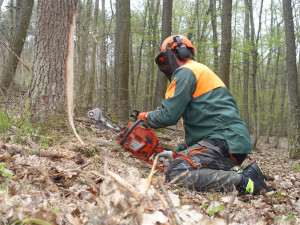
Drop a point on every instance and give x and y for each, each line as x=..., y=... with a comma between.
x=17, y=128
x=88, y=151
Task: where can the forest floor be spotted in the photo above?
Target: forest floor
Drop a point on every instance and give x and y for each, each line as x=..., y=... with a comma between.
x=56, y=180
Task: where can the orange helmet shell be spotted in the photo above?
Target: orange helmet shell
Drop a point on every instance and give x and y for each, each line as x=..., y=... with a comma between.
x=168, y=40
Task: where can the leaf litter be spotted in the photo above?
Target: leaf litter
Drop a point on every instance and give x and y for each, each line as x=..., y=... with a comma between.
x=100, y=183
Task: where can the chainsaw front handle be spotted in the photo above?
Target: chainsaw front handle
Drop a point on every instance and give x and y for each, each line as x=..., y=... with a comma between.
x=129, y=131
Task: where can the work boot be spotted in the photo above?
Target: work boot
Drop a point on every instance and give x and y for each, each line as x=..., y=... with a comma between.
x=252, y=180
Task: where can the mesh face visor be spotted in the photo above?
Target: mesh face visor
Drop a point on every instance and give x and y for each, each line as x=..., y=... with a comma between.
x=163, y=63
x=161, y=58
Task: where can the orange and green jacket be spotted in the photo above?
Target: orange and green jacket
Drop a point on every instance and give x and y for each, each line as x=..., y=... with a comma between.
x=207, y=109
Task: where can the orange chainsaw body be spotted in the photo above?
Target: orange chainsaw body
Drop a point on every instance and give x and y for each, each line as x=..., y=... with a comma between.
x=141, y=142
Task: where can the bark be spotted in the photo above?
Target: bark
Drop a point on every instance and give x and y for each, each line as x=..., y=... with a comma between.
x=1, y=2
x=213, y=14
x=152, y=29
x=246, y=65
x=17, y=45
x=226, y=41
x=293, y=91
x=154, y=50
x=132, y=96
x=149, y=42
x=82, y=81
x=254, y=53
x=271, y=114
x=141, y=48
x=281, y=128
x=161, y=82
x=91, y=95
x=122, y=44
x=201, y=56
x=47, y=89
x=103, y=53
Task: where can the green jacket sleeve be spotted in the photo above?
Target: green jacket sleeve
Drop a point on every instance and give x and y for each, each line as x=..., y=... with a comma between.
x=172, y=108
x=180, y=147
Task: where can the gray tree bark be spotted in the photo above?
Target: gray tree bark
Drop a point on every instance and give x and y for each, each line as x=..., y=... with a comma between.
x=254, y=53
x=17, y=45
x=213, y=15
x=82, y=79
x=103, y=58
x=122, y=65
x=47, y=89
x=161, y=82
x=91, y=95
x=293, y=91
x=246, y=65
x=226, y=41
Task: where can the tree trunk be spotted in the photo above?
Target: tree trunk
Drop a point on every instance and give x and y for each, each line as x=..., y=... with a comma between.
x=149, y=42
x=213, y=14
x=271, y=118
x=132, y=96
x=103, y=58
x=226, y=41
x=294, y=101
x=254, y=44
x=82, y=81
x=141, y=48
x=281, y=128
x=17, y=45
x=161, y=82
x=91, y=95
x=154, y=51
x=246, y=66
x=47, y=90
x=122, y=46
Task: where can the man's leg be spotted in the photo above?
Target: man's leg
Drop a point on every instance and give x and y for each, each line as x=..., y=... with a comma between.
x=213, y=164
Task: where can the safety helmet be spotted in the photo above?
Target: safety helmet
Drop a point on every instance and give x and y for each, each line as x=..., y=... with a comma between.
x=174, y=38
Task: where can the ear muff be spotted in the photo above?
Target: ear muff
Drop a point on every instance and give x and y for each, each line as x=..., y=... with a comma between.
x=181, y=51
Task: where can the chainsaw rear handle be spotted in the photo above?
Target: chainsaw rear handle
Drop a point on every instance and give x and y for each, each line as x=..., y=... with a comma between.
x=129, y=131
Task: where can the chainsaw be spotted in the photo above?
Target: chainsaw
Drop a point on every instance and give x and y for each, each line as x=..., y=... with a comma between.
x=139, y=140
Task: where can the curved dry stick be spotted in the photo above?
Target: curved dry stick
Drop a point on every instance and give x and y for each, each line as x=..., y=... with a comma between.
x=70, y=77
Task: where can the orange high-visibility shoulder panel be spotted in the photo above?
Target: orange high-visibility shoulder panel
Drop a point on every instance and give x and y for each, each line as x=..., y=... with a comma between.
x=207, y=80
x=171, y=90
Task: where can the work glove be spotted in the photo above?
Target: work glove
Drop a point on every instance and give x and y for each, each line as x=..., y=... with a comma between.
x=166, y=157
x=142, y=115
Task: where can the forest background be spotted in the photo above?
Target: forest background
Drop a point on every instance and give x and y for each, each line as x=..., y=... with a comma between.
x=244, y=42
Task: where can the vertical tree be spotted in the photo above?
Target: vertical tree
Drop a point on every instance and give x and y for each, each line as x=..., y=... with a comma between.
x=293, y=92
x=91, y=95
x=213, y=15
x=246, y=64
x=152, y=24
x=122, y=50
x=82, y=80
x=17, y=44
x=226, y=41
x=47, y=90
x=161, y=82
x=103, y=53
x=254, y=53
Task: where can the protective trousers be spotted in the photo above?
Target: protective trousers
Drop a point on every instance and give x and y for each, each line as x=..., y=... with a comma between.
x=209, y=162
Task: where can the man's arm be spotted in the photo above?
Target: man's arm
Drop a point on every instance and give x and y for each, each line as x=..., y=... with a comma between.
x=178, y=96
